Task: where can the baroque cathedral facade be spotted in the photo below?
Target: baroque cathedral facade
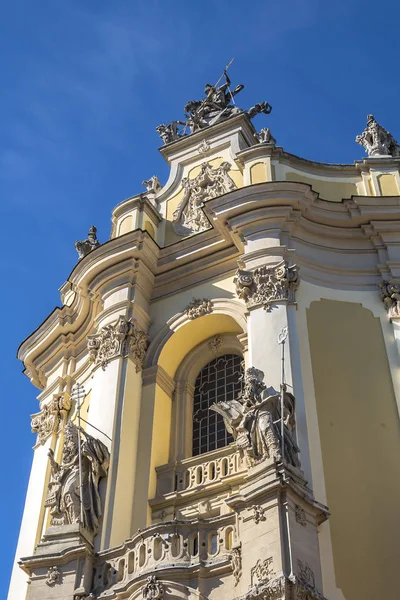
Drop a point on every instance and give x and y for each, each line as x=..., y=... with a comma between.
x=218, y=413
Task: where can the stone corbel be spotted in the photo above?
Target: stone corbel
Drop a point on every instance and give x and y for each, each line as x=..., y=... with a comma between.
x=119, y=339
x=50, y=419
x=266, y=286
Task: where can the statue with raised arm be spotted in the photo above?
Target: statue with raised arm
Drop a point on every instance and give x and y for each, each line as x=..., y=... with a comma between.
x=253, y=419
x=64, y=492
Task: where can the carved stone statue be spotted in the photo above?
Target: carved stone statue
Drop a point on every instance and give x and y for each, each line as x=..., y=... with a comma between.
x=152, y=185
x=85, y=246
x=218, y=105
x=377, y=141
x=64, y=494
x=390, y=296
x=254, y=421
x=209, y=183
x=265, y=136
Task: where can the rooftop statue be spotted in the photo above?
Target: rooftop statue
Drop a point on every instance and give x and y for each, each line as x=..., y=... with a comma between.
x=377, y=141
x=85, y=246
x=218, y=105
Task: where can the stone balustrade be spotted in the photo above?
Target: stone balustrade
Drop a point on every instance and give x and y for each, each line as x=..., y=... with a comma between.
x=170, y=545
x=196, y=473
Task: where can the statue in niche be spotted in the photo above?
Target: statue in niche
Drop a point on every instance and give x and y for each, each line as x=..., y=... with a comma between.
x=64, y=494
x=253, y=419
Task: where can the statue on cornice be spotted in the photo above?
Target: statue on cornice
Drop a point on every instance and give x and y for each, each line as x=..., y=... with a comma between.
x=377, y=141
x=85, y=246
x=64, y=493
x=253, y=419
x=217, y=105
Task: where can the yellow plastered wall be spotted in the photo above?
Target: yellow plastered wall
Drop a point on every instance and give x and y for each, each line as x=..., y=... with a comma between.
x=328, y=190
x=150, y=229
x=258, y=173
x=360, y=443
x=126, y=225
x=388, y=185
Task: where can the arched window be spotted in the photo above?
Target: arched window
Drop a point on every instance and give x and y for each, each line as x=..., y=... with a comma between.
x=220, y=380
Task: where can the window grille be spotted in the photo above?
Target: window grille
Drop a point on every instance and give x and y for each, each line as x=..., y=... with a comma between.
x=220, y=380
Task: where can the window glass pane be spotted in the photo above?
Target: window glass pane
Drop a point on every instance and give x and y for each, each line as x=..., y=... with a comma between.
x=220, y=380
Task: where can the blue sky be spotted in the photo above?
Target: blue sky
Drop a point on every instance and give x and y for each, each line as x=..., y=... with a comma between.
x=85, y=83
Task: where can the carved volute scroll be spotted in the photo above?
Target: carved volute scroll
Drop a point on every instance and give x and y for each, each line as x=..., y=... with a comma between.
x=51, y=417
x=266, y=286
x=121, y=338
x=209, y=183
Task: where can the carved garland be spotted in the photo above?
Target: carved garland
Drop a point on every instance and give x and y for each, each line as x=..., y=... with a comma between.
x=121, y=338
x=50, y=418
x=198, y=308
x=266, y=286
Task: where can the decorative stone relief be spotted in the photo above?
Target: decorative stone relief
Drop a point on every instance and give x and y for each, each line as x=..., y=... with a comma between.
x=217, y=106
x=305, y=574
x=121, y=338
x=204, y=147
x=49, y=419
x=262, y=571
x=267, y=286
x=53, y=576
x=300, y=515
x=390, y=296
x=153, y=590
x=215, y=344
x=264, y=136
x=236, y=562
x=64, y=495
x=152, y=185
x=209, y=183
x=377, y=141
x=85, y=246
x=198, y=308
x=254, y=421
x=258, y=513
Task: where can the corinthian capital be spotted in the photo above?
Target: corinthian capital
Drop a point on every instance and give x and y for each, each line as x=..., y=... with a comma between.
x=121, y=338
x=266, y=286
x=49, y=419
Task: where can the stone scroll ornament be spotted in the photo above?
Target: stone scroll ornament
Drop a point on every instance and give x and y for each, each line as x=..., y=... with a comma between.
x=390, y=296
x=253, y=419
x=266, y=286
x=209, y=183
x=121, y=338
x=377, y=141
x=218, y=105
x=49, y=419
x=64, y=491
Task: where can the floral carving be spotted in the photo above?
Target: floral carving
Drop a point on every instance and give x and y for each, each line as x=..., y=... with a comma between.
x=121, y=338
x=198, y=308
x=266, y=286
x=300, y=515
x=53, y=576
x=390, y=296
x=49, y=419
x=236, y=562
x=153, y=590
x=258, y=513
x=377, y=141
x=209, y=183
x=262, y=571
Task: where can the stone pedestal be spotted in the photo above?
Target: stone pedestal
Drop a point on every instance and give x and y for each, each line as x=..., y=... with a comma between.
x=62, y=565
